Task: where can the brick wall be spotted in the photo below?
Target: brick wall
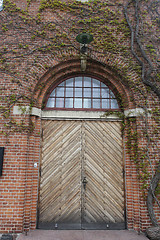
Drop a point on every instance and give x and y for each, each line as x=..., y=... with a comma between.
x=19, y=183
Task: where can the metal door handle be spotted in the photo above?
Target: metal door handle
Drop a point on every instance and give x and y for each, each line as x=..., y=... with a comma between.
x=84, y=182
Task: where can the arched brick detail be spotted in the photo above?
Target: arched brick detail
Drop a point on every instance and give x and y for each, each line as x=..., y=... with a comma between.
x=120, y=85
x=94, y=68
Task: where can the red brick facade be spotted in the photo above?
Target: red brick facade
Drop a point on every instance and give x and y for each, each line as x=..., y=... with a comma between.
x=19, y=183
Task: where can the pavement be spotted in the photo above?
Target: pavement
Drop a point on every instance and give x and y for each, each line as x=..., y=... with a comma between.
x=82, y=235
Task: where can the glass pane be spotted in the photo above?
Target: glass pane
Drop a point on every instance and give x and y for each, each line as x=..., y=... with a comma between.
x=111, y=94
x=60, y=92
x=86, y=103
x=105, y=103
x=78, y=92
x=73, y=91
x=53, y=93
x=69, y=82
x=103, y=85
x=60, y=102
x=68, y=102
x=96, y=103
x=105, y=93
x=114, y=104
x=78, y=103
x=87, y=82
x=78, y=82
x=69, y=92
x=61, y=84
x=51, y=102
x=95, y=83
x=87, y=92
x=96, y=92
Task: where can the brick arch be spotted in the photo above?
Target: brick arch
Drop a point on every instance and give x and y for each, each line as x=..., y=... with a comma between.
x=106, y=72
x=68, y=68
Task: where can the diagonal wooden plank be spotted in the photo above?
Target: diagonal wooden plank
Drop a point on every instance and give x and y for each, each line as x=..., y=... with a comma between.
x=93, y=147
x=103, y=145
x=60, y=195
x=110, y=143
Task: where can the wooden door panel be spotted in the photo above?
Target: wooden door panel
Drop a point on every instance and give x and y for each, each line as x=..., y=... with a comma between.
x=72, y=150
x=60, y=193
x=103, y=197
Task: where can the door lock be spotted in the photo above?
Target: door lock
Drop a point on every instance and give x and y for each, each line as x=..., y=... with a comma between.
x=84, y=182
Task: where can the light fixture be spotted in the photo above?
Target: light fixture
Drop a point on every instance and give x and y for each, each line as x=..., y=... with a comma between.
x=84, y=39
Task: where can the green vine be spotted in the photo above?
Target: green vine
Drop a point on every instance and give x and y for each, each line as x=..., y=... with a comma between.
x=50, y=33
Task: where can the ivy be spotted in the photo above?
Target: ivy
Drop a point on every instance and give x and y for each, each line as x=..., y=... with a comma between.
x=124, y=32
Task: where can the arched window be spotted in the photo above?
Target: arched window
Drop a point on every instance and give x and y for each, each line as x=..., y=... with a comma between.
x=82, y=93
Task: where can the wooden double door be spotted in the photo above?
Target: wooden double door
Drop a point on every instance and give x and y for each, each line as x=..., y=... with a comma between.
x=81, y=184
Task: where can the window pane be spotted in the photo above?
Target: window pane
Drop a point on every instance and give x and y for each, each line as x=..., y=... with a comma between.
x=61, y=84
x=69, y=82
x=60, y=102
x=96, y=92
x=60, y=92
x=77, y=103
x=112, y=94
x=114, y=104
x=78, y=92
x=103, y=85
x=95, y=83
x=105, y=103
x=78, y=82
x=51, y=102
x=53, y=93
x=72, y=92
x=87, y=82
x=69, y=92
x=105, y=93
x=69, y=102
x=86, y=103
x=96, y=103
x=87, y=92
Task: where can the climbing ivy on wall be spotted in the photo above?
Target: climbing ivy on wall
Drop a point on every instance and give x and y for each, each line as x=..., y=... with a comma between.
x=36, y=35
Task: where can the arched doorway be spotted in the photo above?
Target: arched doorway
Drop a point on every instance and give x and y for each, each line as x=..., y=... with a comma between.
x=81, y=185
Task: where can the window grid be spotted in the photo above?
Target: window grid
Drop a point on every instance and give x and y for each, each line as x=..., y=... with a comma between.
x=73, y=96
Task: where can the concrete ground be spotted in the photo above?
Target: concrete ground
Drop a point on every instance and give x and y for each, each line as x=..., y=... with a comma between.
x=82, y=235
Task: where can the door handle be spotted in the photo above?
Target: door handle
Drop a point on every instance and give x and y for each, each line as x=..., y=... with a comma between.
x=84, y=182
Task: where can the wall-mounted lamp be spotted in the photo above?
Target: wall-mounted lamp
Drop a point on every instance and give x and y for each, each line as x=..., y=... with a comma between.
x=84, y=39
